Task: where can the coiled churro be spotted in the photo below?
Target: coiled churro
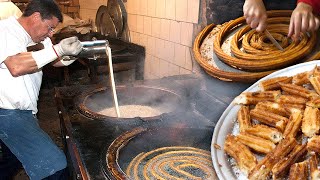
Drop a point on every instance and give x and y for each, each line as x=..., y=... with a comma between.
x=252, y=58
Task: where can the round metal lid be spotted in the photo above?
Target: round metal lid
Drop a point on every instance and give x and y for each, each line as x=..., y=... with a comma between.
x=116, y=10
x=104, y=23
x=125, y=36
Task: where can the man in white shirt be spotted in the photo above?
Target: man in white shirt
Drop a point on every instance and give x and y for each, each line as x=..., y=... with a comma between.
x=20, y=79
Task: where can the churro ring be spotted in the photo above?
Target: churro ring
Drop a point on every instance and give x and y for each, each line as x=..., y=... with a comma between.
x=256, y=59
x=203, y=48
x=175, y=162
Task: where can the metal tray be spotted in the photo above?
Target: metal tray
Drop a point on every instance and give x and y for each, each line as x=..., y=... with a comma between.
x=117, y=12
x=104, y=23
x=227, y=125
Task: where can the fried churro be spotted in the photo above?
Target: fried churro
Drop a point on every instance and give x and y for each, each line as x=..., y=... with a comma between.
x=263, y=168
x=290, y=99
x=310, y=122
x=250, y=98
x=315, y=102
x=315, y=82
x=296, y=90
x=241, y=153
x=273, y=107
x=314, y=144
x=299, y=171
x=282, y=167
x=273, y=83
x=289, y=107
x=256, y=143
x=315, y=71
x=244, y=118
x=313, y=164
x=301, y=78
x=265, y=132
x=294, y=124
x=269, y=118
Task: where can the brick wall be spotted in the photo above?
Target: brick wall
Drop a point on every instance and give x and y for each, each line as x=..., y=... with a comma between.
x=70, y=7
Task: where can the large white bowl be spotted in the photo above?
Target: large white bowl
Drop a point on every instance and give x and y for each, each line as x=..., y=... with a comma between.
x=226, y=123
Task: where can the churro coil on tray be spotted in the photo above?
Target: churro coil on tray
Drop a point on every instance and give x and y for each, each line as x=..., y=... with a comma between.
x=232, y=51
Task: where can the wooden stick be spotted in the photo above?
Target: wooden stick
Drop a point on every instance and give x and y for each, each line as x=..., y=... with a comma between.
x=114, y=92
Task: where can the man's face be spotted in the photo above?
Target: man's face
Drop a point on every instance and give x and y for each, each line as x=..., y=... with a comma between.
x=44, y=28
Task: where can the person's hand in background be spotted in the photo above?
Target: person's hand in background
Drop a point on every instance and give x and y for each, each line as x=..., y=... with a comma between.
x=255, y=13
x=302, y=20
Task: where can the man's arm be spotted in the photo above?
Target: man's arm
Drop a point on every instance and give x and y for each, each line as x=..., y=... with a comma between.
x=30, y=62
x=21, y=64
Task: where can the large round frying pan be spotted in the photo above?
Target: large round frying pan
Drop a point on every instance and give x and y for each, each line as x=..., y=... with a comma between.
x=91, y=103
x=159, y=140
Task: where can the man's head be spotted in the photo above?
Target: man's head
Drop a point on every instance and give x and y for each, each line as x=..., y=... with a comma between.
x=40, y=18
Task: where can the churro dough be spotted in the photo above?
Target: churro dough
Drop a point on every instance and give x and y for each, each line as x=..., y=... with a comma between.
x=131, y=111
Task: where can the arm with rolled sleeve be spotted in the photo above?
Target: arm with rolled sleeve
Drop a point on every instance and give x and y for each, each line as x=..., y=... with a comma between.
x=69, y=46
x=30, y=62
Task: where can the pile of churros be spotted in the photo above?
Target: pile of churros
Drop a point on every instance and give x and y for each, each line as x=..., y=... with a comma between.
x=281, y=124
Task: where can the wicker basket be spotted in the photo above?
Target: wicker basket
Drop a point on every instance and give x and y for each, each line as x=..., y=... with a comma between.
x=215, y=71
x=247, y=73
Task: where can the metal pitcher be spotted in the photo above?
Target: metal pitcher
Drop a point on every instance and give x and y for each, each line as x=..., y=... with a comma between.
x=94, y=49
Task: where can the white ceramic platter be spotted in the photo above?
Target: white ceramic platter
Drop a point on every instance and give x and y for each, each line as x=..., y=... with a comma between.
x=227, y=122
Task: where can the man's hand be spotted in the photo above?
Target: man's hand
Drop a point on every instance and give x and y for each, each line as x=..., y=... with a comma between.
x=302, y=20
x=255, y=14
x=69, y=46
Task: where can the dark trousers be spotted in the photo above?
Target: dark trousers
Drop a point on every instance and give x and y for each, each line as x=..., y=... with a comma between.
x=59, y=175
x=9, y=164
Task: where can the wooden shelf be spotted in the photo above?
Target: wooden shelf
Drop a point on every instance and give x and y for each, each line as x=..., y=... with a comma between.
x=69, y=7
x=20, y=1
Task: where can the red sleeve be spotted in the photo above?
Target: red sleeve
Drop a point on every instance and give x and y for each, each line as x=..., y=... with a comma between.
x=314, y=3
